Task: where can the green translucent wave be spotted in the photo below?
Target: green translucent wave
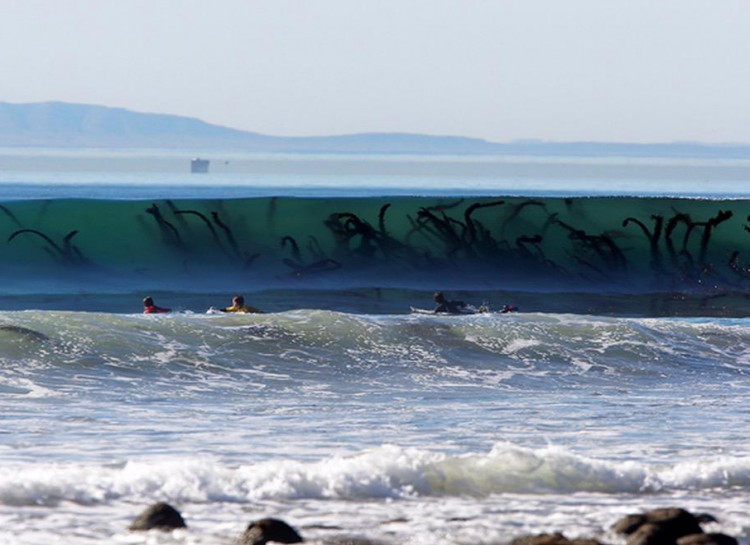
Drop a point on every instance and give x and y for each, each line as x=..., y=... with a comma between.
x=548, y=243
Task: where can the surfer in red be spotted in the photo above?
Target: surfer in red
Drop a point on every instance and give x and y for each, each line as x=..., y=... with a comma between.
x=150, y=308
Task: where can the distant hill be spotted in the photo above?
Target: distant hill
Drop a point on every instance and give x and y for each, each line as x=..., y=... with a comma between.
x=59, y=124
x=74, y=125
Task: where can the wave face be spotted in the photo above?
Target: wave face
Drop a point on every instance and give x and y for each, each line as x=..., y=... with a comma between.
x=592, y=244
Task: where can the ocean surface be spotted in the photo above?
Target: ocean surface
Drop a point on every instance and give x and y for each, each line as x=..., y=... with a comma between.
x=621, y=384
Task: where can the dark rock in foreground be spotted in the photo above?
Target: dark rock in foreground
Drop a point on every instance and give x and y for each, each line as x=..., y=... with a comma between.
x=262, y=531
x=669, y=526
x=159, y=516
x=659, y=526
x=707, y=539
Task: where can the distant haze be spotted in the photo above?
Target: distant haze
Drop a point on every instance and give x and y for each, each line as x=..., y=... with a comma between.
x=497, y=70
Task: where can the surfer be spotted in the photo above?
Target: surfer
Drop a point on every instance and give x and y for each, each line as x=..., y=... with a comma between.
x=239, y=306
x=150, y=308
x=444, y=306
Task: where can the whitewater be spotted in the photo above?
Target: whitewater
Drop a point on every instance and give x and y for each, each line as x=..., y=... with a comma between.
x=620, y=386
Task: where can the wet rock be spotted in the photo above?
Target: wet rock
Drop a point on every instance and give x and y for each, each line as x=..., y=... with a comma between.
x=707, y=539
x=159, y=516
x=662, y=526
x=262, y=531
x=651, y=534
x=678, y=521
x=668, y=526
x=629, y=524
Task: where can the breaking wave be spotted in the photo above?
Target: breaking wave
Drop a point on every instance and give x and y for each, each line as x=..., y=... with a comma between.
x=383, y=472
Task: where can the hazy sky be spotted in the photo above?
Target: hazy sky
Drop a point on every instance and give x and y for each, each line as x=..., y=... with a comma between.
x=564, y=70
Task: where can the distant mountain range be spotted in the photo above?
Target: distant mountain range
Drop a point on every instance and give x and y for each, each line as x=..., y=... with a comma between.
x=59, y=124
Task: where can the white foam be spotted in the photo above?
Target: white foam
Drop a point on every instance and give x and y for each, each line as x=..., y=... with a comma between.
x=384, y=472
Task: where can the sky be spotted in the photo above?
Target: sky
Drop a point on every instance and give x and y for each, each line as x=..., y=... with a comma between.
x=501, y=70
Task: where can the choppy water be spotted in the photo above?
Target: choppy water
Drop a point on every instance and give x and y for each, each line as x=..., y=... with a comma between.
x=621, y=386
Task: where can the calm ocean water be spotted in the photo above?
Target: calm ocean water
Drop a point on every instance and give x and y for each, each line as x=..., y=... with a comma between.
x=620, y=386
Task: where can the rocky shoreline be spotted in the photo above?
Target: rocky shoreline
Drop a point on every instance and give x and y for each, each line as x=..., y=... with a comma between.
x=666, y=526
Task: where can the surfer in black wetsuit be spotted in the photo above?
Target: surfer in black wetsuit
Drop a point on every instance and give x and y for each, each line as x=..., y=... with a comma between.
x=447, y=307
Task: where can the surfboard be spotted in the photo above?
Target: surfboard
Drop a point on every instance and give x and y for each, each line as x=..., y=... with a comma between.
x=464, y=310
x=469, y=309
